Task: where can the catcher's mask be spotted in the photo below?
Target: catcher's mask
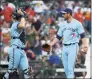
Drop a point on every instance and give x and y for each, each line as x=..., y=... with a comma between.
x=18, y=16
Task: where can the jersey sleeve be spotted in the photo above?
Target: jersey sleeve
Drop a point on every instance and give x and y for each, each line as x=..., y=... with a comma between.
x=80, y=28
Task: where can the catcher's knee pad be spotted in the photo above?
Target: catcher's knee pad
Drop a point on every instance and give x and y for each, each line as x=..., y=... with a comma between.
x=14, y=74
x=11, y=74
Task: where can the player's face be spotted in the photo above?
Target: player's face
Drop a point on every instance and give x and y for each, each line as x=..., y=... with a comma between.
x=65, y=15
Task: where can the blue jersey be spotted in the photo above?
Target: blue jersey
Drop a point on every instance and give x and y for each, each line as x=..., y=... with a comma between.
x=16, y=32
x=70, y=31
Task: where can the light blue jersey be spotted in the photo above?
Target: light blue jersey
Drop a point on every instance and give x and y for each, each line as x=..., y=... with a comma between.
x=70, y=31
x=15, y=32
x=17, y=55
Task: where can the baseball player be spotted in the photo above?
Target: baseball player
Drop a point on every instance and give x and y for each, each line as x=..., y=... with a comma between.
x=71, y=30
x=17, y=56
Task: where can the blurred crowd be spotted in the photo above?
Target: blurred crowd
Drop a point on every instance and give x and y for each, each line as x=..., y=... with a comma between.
x=43, y=22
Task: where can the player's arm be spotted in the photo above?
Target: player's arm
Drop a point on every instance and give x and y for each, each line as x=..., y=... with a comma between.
x=22, y=23
x=54, y=41
x=57, y=38
x=83, y=37
x=84, y=42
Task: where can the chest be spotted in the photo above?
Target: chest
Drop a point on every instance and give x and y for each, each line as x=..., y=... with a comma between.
x=68, y=28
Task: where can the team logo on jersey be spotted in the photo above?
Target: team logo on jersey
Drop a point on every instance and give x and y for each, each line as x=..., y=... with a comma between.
x=73, y=34
x=71, y=29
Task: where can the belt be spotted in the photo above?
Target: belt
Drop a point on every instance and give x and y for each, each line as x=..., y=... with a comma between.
x=19, y=47
x=69, y=44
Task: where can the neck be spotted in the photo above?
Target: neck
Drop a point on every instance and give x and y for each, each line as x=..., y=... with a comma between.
x=69, y=19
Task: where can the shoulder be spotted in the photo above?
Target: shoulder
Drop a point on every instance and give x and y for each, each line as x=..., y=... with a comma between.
x=76, y=21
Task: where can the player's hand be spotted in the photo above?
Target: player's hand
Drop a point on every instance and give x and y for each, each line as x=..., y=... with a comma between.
x=84, y=49
x=20, y=11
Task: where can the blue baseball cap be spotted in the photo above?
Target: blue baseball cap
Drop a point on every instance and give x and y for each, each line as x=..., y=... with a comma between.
x=67, y=10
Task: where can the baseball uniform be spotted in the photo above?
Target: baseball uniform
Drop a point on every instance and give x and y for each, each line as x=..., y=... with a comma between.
x=17, y=56
x=70, y=32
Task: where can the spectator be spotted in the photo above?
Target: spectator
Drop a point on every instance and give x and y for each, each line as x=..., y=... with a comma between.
x=12, y=6
x=5, y=52
x=39, y=6
x=6, y=34
x=36, y=23
x=52, y=34
x=87, y=20
x=37, y=46
x=54, y=25
x=79, y=16
x=45, y=29
x=30, y=34
x=7, y=12
x=55, y=59
x=1, y=17
x=29, y=11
